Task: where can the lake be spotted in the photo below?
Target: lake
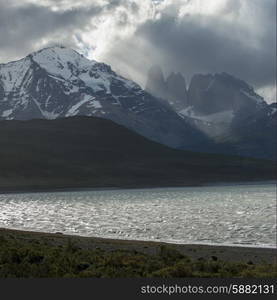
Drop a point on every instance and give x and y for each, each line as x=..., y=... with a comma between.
x=234, y=214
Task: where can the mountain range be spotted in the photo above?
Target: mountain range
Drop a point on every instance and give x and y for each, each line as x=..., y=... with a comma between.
x=216, y=113
x=58, y=82
x=224, y=108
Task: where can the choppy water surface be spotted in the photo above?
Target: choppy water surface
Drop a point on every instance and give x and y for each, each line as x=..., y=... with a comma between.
x=243, y=214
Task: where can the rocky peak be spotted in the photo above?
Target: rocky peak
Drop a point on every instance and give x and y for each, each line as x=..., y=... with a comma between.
x=176, y=91
x=155, y=84
x=209, y=94
x=61, y=61
x=171, y=89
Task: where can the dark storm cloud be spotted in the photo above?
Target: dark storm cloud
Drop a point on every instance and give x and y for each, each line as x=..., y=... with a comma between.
x=206, y=44
x=240, y=38
x=22, y=26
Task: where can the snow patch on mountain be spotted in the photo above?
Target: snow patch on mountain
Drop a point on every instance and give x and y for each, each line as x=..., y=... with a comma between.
x=210, y=84
x=99, y=82
x=272, y=109
x=7, y=113
x=254, y=97
x=46, y=114
x=13, y=74
x=74, y=110
x=220, y=117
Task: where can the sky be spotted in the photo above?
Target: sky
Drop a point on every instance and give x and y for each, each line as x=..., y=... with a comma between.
x=187, y=36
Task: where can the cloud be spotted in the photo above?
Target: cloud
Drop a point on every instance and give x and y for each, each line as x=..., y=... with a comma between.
x=191, y=36
x=208, y=44
x=238, y=37
x=24, y=28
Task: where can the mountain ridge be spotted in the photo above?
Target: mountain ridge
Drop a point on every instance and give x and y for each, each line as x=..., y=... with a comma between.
x=58, y=82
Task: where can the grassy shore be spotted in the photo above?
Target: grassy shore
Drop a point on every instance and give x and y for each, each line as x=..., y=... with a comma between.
x=32, y=254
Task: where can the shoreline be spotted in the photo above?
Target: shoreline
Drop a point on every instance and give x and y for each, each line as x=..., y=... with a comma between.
x=230, y=253
x=95, y=189
x=166, y=242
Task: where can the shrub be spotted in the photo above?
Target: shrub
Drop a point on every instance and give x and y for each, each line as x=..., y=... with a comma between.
x=33, y=259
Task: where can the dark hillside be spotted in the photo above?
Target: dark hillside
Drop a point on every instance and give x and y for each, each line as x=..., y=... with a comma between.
x=84, y=152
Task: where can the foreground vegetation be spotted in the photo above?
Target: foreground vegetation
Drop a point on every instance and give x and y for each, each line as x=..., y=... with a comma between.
x=37, y=259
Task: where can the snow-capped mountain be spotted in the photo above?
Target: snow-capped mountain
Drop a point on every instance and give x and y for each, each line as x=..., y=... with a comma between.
x=212, y=102
x=217, y=102
x=222, y=107
x=58, y=82
x=209, y=94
